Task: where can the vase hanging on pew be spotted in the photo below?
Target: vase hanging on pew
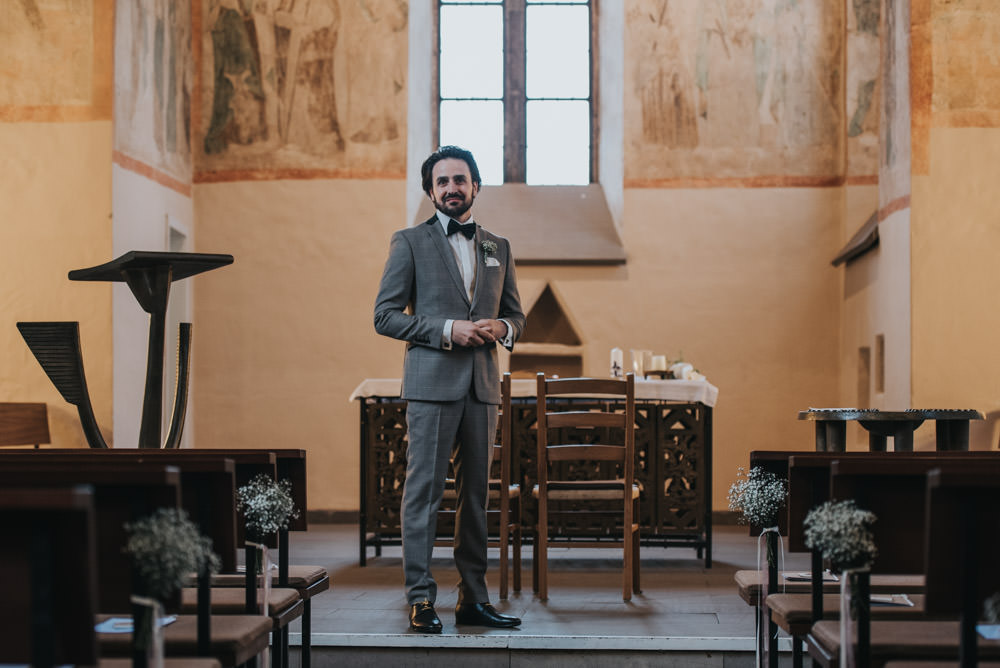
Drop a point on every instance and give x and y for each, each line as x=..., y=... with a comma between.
x=147, y=634
x=855, y=618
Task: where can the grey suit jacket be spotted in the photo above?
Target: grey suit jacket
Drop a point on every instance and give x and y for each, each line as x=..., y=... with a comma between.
x=422, y=287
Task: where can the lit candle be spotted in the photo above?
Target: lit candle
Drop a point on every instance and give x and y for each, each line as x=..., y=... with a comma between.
x=617, y=360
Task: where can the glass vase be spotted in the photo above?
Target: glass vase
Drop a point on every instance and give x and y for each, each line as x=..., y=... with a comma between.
x=855, y=618
x=147, y=634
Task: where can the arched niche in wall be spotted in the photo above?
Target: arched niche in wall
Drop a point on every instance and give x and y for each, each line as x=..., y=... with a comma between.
x=550, y=342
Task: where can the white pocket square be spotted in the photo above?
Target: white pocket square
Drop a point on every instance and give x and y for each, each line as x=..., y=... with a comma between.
x=492, y=262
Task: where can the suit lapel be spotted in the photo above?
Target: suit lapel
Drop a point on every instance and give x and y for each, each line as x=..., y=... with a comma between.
x=447, y=256
x=478, y=261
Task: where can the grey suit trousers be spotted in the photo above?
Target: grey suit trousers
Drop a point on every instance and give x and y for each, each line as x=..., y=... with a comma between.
x=463, y=430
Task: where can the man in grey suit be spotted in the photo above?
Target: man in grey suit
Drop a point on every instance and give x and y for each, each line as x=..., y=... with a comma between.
x=449, y=291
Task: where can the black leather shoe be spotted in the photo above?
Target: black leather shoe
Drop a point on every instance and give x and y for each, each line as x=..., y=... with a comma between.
x=483, y=614
x=423, y=619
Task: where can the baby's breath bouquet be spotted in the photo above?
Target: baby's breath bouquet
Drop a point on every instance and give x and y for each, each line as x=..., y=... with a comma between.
x=165, y=548
x=267, y=506
x=842, y=533
x=757, y=496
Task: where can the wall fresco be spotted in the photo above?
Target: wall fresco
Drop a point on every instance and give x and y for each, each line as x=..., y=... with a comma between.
x=303, y=84
x=47, y=52
x=153, y=84
x=863, y=89
x=894, y=153
x=965, y=64
x=733, y=89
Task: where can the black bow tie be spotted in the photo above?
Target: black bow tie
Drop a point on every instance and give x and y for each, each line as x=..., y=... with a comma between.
x=468, y=229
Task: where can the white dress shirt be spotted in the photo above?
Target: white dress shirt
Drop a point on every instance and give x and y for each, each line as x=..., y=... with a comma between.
x=465, y=255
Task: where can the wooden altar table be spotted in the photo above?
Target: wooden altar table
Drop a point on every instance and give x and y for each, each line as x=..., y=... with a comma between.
x=673, y=462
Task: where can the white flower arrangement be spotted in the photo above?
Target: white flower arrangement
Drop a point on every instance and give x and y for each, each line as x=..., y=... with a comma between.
x=489, y=248
x=165, y=548
x=842, y=533
x=758, y=496
x=267, y=506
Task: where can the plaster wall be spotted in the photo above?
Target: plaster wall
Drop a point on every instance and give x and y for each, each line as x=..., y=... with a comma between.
x=56, y=189
x=956, y=360
x=285, y=333
x=738, y=281
x=143, y=211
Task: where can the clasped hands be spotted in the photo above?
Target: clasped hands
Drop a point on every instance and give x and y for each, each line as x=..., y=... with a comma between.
x=468, y=333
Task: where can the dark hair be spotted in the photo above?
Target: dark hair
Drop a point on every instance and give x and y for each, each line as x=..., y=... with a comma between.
x=448, y=152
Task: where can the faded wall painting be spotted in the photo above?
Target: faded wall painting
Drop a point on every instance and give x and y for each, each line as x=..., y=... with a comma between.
x=894, y=155
x=47, y=52
x=153, y=84
x=303, y=85
x=966, y=68
x=733, y=89
x=863, y=90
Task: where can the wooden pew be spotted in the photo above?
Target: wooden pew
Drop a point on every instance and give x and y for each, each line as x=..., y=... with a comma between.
x=799, y=604
x=958, y=532
x=49, y=553
x=124, y=493
x=784, y=608
x=280, y=463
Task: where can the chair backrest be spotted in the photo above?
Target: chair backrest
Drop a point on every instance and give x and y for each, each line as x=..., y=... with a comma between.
x=208, y=487
x=121, y=494
x=23, y=424
x=56, y=346
x=48, y=575
x=588, y=434
x=962, y=544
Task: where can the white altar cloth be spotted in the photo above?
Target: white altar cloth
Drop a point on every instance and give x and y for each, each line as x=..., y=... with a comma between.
x=687, y=391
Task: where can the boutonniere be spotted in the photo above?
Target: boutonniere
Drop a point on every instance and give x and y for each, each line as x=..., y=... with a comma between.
x=489, y=248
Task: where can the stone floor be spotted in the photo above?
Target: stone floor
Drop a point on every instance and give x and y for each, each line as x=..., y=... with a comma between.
x=687, y=615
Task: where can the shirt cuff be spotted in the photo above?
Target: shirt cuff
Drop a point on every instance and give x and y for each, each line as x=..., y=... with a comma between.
x=508, y=340
x=446, y=335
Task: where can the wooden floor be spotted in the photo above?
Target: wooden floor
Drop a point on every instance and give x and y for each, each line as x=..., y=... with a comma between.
x=687, y=615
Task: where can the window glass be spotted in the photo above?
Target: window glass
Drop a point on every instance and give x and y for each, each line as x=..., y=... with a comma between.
x=478, y=127
x=558, y=142
x=471, y=58
x=558, y=67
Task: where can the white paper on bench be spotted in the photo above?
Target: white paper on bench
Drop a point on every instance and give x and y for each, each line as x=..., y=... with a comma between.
x=806, y=576
x=124, y=624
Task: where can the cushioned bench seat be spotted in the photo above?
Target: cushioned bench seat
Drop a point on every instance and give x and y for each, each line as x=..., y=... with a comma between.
x=750, y=583
x=306, y=580
x=235, y=638
x=283, y=605
x=932, y=640
x=793, y=612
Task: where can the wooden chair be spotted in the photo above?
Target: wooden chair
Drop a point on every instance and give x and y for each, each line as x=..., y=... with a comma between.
x=588, y=466
x=24, y=424
x=504, y=497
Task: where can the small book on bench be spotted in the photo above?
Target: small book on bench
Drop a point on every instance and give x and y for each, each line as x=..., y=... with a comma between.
x=891, y=599
x=806, y=576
